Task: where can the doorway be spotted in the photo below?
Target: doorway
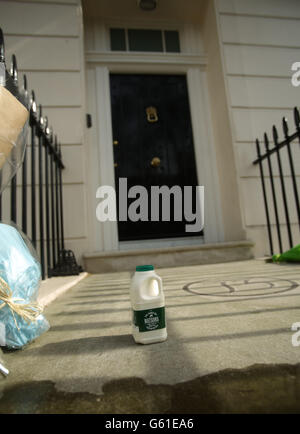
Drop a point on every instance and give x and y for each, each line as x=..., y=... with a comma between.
x=153, y=145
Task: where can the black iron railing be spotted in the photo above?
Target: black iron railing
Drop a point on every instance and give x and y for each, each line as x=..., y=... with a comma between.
x=272, y=197
x=42, y=203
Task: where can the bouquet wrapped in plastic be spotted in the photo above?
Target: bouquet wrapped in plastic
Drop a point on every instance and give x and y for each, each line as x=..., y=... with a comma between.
x=20, y=276
x=21, y=320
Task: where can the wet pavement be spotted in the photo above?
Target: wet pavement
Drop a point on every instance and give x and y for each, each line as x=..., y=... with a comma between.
x=229, y=347
x=259, y=389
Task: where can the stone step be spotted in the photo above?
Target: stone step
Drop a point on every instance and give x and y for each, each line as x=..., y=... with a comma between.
x=103, y=262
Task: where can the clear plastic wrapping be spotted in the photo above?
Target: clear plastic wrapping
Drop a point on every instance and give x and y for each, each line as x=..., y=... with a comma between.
x=3, y=368
x=13, y=128
x=20, y=277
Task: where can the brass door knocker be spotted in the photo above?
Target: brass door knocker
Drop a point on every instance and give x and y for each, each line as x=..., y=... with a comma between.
x=151, y=114
x=155, y=162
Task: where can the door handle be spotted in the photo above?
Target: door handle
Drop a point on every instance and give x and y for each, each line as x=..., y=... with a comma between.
x=155, y=162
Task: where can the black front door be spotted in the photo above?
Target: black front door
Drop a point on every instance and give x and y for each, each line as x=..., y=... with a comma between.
x=153, y=143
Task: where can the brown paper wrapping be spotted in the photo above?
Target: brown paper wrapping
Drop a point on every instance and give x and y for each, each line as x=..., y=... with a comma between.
x=13, y=116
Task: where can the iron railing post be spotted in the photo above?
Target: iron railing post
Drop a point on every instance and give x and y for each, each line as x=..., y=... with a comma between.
x=33, y=125
x=13, y=191
x=41, y=195
x=57, y=203
x=266, y=140
x=285, y=204
x=61, y=201
x=47, y=140
x=24, y=172
x=262, y=176
x=53, y=229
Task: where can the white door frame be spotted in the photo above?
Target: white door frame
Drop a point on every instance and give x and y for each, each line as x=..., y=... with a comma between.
x=194, y=68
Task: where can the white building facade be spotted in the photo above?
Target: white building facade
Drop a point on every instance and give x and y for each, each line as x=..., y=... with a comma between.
x=236, y=56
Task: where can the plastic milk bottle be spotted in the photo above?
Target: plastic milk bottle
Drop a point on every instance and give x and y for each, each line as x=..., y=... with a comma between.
x=148, y=305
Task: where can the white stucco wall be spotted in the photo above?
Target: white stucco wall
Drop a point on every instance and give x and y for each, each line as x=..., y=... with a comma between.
x=260, y=40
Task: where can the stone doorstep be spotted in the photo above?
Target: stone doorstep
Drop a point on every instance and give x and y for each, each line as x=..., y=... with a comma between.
x=101, y=262
x=52, y=288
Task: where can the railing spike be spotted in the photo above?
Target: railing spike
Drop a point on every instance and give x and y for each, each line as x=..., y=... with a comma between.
x=285, y=127
x=257, y=147
x=266, y=139
x=33, y=103
x=275, y=134
x=47, y=129
x=50, y=134
x=25, y=82
x=296, y=117
x=25, y=90
x=14, y=69
x=41, y=119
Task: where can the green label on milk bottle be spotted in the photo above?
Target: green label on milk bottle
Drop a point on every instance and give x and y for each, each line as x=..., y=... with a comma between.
x=150, y=319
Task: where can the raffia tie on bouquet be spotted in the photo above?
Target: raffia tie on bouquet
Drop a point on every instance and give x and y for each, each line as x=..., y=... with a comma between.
x=28, y=311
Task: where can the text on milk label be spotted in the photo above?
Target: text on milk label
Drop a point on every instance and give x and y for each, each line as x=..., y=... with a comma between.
x=150, y=319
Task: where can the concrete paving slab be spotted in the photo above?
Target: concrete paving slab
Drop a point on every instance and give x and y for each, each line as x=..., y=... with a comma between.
x=229, y=346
